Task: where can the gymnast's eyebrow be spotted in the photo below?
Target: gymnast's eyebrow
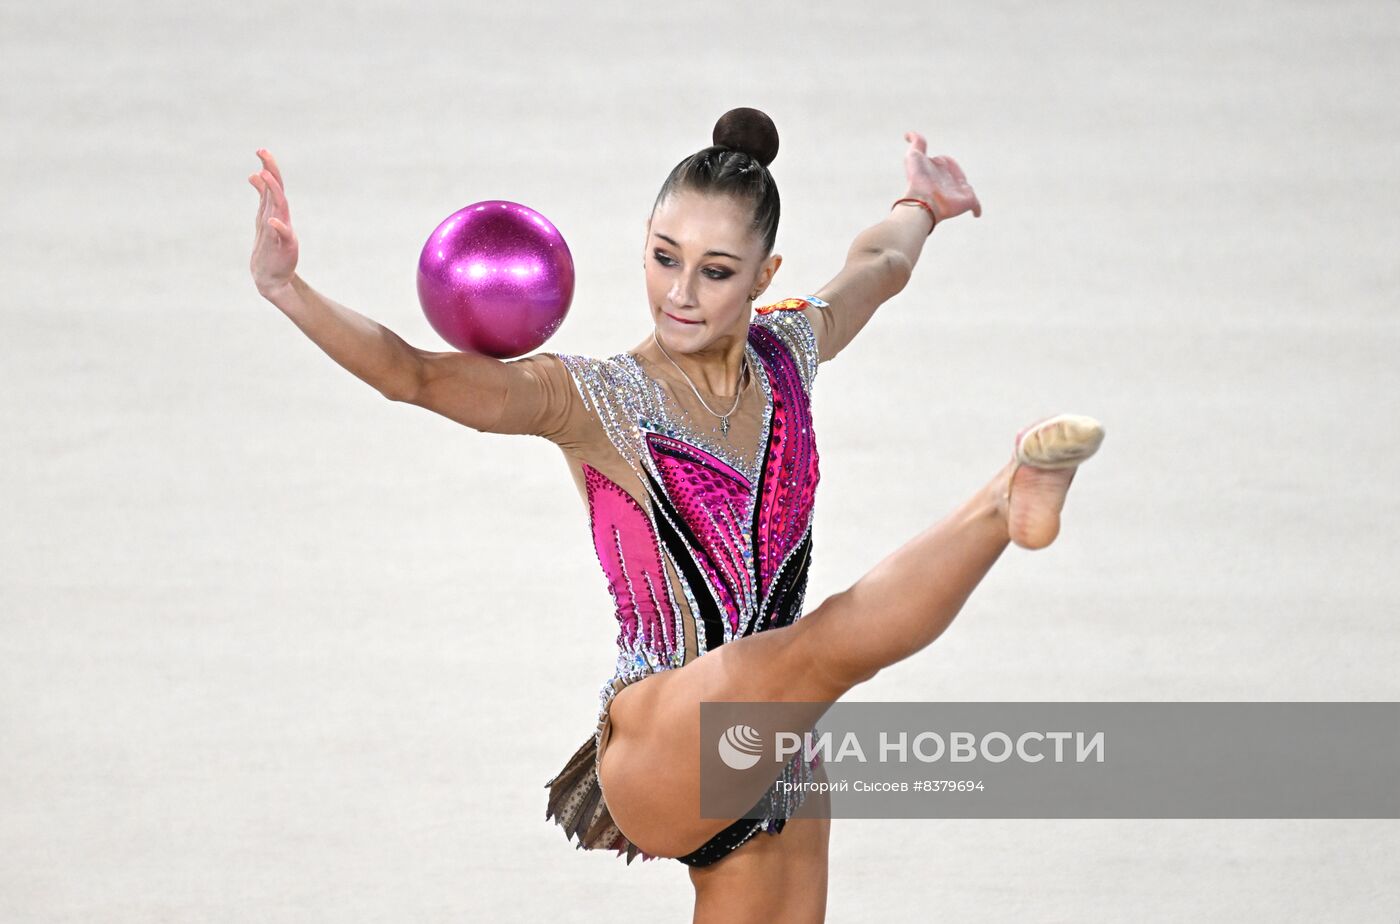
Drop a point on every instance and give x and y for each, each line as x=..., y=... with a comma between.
x=717, y=253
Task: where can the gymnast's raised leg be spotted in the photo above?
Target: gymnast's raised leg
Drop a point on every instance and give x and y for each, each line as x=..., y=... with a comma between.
x=897, y=608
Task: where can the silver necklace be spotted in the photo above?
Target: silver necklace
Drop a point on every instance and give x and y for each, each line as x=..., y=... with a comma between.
x=743, y=381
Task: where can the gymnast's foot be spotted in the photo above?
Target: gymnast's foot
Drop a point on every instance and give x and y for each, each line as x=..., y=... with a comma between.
x=1047, y=455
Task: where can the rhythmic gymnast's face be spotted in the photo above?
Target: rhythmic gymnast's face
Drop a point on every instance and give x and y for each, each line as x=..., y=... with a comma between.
x=702, y=262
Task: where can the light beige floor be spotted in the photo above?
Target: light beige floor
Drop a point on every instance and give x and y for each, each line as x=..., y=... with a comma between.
x=274, y=649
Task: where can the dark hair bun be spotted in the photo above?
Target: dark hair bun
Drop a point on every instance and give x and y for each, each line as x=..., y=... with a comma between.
x=750, y=131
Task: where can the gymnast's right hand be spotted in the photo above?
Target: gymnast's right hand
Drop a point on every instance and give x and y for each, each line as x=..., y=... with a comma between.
x=274, y=258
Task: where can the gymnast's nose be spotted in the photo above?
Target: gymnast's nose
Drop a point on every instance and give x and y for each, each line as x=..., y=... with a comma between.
x=682, y=296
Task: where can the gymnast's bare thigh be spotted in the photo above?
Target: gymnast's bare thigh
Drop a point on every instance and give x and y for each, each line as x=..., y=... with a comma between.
x=778, y=878
x=663, y=821
x=654, y=732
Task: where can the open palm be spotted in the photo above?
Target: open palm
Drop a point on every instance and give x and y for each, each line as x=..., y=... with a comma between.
x=938, y=180
x=275, y=246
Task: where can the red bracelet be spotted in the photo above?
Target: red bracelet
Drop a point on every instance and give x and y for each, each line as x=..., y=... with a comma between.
x=927, y=208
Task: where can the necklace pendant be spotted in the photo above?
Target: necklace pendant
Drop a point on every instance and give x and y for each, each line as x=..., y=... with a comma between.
x=724, y=426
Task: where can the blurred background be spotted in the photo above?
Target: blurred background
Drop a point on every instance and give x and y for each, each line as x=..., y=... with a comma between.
x=273, y=648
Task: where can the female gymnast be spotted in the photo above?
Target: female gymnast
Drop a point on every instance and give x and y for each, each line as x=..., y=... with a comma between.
x=696, y=457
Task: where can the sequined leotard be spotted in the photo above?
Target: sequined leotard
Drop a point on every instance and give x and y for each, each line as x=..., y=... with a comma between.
x=700, y=544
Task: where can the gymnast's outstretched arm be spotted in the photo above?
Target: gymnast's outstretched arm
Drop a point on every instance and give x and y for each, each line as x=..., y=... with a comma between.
x=882, y=257
x=481, y=392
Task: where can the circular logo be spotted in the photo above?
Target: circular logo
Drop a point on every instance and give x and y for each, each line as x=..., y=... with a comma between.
x=740, y=747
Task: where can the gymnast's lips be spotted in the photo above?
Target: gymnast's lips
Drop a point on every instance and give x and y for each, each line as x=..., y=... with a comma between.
x=678, y=320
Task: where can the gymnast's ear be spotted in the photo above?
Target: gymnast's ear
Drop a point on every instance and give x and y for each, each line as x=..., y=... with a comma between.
x=766, y=274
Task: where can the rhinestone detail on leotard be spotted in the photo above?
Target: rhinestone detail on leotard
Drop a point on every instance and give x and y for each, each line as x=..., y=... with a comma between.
x=735, y=531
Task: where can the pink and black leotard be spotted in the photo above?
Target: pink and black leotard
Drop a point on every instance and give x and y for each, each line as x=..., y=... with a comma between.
x=703, y=539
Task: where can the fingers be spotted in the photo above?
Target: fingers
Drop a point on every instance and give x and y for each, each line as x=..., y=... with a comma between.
x=274, y=201
x=947, y=165
x=259, y=182
x=261, y=216
x=951, y=189
x=917, y=140
x=955, y=170
x=271, y=201
x=268, y=182
x=950, y=168
x=279, y=199
x=270, y=164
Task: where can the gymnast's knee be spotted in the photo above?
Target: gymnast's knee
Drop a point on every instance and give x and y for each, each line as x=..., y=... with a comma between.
x=828, y=654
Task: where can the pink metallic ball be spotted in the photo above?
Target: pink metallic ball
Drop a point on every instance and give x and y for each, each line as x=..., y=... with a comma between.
x=496, y=278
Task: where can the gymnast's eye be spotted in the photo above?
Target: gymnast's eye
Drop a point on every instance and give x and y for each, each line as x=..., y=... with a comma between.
x=714, y=273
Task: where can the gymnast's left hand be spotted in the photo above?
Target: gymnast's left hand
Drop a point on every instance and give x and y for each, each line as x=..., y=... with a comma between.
x=938, y=180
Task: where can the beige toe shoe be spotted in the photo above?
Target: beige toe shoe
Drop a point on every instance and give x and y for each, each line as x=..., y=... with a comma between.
x=1062, y=441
